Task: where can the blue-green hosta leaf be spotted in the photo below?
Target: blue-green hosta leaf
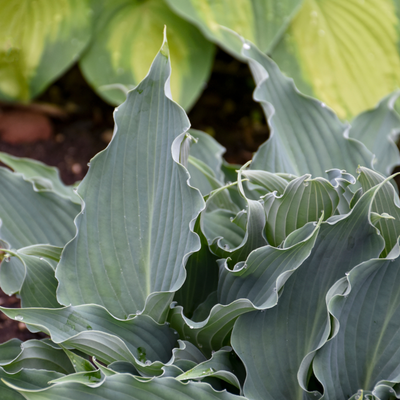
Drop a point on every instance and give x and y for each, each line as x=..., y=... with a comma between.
x=306, y=137
x=79, y=363
x=255, y=285
x=39, y=40
x=29, y=379
x=90, y=328
x=127, y=387
x=218, y=366
x=37, y=354
x=201, y=279
x=205, y=162
x=303, y=200
x=264, y=272
x=42, y=176
x=266, y=182
x=33, y=277
x=278, y=344
x=50, y=253
x=342, y=182
x=9, y=351
x=365, y=349
x=260, y=21
x=253, y=228
x=136, y=230
x=90, y=379
x=25, y=214
x=344, y=52
x=386, y=201
x=208, y=150
x=127, y=37
x=379, y=129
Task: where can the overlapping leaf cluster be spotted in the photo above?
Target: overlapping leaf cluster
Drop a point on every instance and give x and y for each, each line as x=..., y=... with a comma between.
x=186, y=278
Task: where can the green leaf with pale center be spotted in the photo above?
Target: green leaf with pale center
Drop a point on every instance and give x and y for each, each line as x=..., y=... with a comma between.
x=259, y=21
x=127, y=37
x=135, y=232
x=343, y=52
x=39, y=40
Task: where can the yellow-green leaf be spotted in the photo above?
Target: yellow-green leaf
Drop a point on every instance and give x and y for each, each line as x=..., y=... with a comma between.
x=344, y=52
x=259, y=21
x=127, y=37
x=39, y=39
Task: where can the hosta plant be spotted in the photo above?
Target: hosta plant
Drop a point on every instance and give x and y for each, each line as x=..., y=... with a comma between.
x=168, y=273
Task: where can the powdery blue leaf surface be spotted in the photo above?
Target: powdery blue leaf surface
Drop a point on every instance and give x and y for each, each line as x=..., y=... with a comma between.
x=364, y=353
x=303, y=200
x=379, y=129
x=95, y=331
x=136, y=230
x=306, y=137
x=251, y=285
x=277, y=345
x=25, y=214
x=42, y=176
x=386, y=201
x=127, y=387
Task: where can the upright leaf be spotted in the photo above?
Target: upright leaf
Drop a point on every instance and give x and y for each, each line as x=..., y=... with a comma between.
x=303, y=201
x=386, y=201
x=379, y=129
x=306, y=137
x=136, y=230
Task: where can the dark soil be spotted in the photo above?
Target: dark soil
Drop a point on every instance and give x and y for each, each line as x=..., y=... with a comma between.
x=82, y=125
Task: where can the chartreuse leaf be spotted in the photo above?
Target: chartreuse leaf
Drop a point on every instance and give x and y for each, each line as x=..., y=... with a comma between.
x=25, y=213
x=379, y=129
x=343, y=52
x=386, y=201
x=43, y=177
x=39, y=40
x=277, y=345
x=259, y=21
x=128, y=387
x=306, y=137
x=364, y=353
x=303, y=201
x=127, y=37
x=136, y=230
